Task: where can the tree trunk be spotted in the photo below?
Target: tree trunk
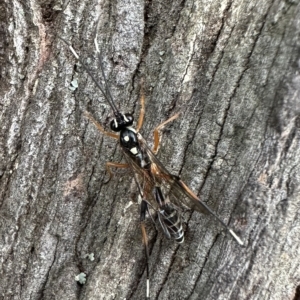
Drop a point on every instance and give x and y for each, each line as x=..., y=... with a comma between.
x=232, y=71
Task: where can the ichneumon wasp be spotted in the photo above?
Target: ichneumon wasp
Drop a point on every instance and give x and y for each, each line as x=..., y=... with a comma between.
x=158, y=189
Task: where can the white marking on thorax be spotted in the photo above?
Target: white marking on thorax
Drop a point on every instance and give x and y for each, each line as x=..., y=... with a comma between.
x=116, y=124
x=134, y=150
x=126, y=138
x=131, y=129
x=125, y=118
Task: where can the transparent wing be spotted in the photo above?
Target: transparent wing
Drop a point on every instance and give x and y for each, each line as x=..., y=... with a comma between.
x=174, y=189
x=157, y=175
x=144, y=179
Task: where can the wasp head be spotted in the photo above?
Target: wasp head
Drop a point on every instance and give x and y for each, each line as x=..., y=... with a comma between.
x=121, y=121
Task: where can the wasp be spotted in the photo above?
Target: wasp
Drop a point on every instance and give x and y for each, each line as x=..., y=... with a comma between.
x=158, y=189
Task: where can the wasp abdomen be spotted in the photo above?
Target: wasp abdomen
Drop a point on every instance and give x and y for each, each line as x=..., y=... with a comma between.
x=172, y=224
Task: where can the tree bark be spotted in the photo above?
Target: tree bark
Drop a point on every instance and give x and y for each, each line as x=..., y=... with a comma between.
x=232, y=71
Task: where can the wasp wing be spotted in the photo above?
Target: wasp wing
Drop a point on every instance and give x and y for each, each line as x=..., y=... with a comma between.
x=178, y=191
x=143, y=178
x=173, y=186
x=155, y=174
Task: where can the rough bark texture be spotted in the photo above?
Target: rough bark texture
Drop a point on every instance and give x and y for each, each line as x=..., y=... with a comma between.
x=230, y=67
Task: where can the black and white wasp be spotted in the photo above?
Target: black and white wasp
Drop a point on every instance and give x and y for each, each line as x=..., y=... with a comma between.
x=158, y=188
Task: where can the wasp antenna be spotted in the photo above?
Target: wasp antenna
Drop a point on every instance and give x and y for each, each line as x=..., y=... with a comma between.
x=96, y=43
x=108, y=98
x=103, y=74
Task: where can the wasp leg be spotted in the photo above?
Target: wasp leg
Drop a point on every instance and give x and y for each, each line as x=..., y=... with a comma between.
x=99, y=127
x=157, y=133
x=142, y=110
x=110, y=165
x=144, y=208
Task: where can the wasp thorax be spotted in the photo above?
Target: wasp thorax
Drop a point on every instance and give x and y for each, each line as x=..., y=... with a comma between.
x=121, y=121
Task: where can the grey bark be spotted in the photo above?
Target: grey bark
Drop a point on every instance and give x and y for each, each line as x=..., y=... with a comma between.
x=230, y=68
